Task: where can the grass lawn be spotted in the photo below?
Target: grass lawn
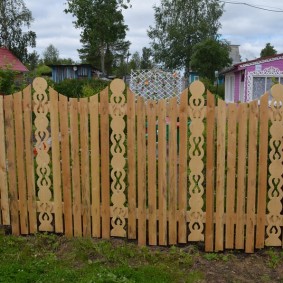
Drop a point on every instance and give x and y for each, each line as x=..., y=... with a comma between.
x=52, y=258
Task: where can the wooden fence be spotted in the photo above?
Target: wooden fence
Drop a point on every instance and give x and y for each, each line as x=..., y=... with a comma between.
x=159, y=172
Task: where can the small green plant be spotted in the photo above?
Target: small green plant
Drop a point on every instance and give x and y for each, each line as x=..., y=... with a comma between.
x=211, y=256
x=274, y=258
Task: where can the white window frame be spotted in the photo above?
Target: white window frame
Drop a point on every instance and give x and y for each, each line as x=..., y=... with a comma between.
x=229, y=88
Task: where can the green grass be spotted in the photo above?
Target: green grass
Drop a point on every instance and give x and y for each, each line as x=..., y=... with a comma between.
x=49, y=258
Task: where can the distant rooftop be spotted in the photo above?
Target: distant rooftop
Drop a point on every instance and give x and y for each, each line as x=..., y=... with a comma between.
x=8, y=58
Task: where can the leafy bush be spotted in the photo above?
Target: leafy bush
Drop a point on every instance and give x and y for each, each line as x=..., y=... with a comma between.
x=7, y=81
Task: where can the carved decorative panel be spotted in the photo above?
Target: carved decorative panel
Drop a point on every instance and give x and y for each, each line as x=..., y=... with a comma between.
x=118, y=160
x=196, y=165
x=275, y=181
x=42, y=146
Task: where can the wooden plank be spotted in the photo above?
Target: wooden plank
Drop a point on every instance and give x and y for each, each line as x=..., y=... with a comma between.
x=21, y=173
x=11, y=165
x=183, y=168
x=56, y=166
x=65, y=155
x=241, y=181
x=151, y=152
x=141, y=149
x=95, y=166
x=162, y=180
x=172, y=171
x=231, y=176
x=262, y=171
x=4, y=205
x=84, y=140
x=75, y=155
x=131, y=151
x=210, y=159
x=105, y=178
x=252, y=168
x=220, y=175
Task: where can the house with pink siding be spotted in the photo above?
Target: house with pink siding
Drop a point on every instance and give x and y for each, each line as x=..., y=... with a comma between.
x=249, y=80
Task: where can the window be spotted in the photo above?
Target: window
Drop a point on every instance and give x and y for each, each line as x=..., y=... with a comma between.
x=229, y=88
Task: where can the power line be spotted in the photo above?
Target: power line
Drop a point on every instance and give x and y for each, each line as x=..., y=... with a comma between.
x=253, y=6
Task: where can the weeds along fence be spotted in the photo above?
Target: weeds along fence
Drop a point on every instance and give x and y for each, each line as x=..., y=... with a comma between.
x=159, y=172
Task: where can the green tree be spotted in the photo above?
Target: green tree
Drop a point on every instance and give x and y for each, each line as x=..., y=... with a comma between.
x=103, y=30
x=268, y=50
x=135, y=62
x=146, y=62
x=50, y=55
x=209, y=56
x=179, y=25
x=15, y=33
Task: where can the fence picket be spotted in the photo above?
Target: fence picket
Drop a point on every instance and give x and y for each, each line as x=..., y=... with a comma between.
x=95, y=166
x=241, y=172
x=151, y=172
x=251, y=190
x=4, y=204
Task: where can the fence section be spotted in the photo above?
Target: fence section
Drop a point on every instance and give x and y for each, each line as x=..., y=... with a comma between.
x=160, y=172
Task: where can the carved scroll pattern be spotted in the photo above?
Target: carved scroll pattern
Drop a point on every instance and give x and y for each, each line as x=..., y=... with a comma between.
x=42, y=158
x=196, y=164
x=275, y=181
x=118, y=161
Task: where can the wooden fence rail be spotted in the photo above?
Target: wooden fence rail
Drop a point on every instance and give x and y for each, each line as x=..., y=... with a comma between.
x=160, y=172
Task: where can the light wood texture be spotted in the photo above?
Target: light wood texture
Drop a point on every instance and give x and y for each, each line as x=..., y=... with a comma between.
x=56, y=166
x=4, y=204
x=151, y=172
x=141, y=149
x=66, y=174
x=105, y=178
x=118, y=161
x=220, y=175
x=262, y=171
x=275, y=180
x=231, y=176
x=162, y=174
x=183, y=167
x=11, y=163
x=210, y=168
x=172, y=171
x=252, y=165
x=95, y=166
x=131, y=146
x=241, y=181
x=196, y=154
x=75, y=165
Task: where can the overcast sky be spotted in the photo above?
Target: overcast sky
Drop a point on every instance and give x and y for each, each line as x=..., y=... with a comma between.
x=248, y=27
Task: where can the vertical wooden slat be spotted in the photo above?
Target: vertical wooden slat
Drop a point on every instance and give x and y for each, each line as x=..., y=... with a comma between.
x=162, y=181
x=66, y=175
x=75, y=155
x=231, y=176
x=56, y=166
x=183, y=167
x=172, y=171
x=4, y=205
x=105, y=179
x=220, y=175
x=21, y=172
x=131, y=151
x=210, y=144
x=141, y=149
x=84, y=139
x=151, y=153
x=95, y=166
x=241, y=181
x=12, y=178
x=262, y=171
x=252, y=166
x=27, y=104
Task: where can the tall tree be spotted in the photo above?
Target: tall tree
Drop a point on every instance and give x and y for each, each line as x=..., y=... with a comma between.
x=103, y=29
x=209, y=56
x=15, y=18
x=50, y=55
x=268, y=50
x=146, y=62
x=181, y=24
x=135, y=62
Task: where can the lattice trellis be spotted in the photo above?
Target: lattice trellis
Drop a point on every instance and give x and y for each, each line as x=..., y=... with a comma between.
x=156, y=84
